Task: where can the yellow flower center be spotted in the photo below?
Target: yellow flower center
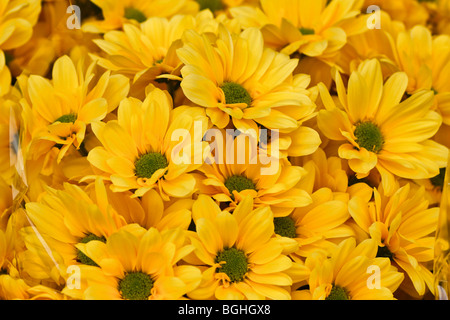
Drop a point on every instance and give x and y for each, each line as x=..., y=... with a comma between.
x=285, y=227
x=67, y=118
x=81, y=257
x=136, y=286
x=337, y=293
x=233, y=263
x=134, y=14
x=235, y=93
x=149, y=163
x=369, y=136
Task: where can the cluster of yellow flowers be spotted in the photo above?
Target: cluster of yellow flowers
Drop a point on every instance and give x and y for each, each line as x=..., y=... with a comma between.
x=222, y=149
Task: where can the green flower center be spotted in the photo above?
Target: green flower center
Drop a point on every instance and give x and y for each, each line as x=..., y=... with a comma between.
x=134, y=14
x=235, y=93
x=213, y=5
x=67, y=118
x=239, y=183
x=81, y=257
x=233, y=264
x=285, y=227
x=149, y=163
x=384, y=252
x=136, y=286
x=307, y=31
x=438, y=181
x=369, y=136
x=337, y=293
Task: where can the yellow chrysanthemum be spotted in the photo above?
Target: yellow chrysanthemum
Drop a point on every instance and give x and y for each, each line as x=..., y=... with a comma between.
x=315, y=31
x=239, y=256
x=345, y=275
x=314, y=28
x=237, y=171
x=379, y=130
x=73, y=100
x=426, y=61
x=140, y=264
x=371, y=44
x=318, y=226
x=237, y=77
x=139, y=149
x=403, y=227
x=116, y=13
x=147, y=53
x=60, y=221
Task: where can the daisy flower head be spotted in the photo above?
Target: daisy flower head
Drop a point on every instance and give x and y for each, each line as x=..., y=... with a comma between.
x=238, y=254
x=59, y=221
x=313, y=28
x=346, y=274
x=241, y=80
x=139, y=150
x=314, y=31
x=318, y=226
x=428, y=67
x=403, y=227
x=146, y=53
x=75, y=97
x=379, y=130
x=140, y=264
x=240, y=169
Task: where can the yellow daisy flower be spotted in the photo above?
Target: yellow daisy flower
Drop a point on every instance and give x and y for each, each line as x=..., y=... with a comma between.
x=240, y=257
x=59, y=221
x=147, y=52
x=76, y=100
x=314, y=28
x=378, y=130
x=238, y=171
x=426, y=61
x=344, y=275
x=140, y=264
x=318, y=226
x=242, y=80
x=371, y=44
x=139, y=150
x=116, y=13
x=314, y=31
x=402, y=226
